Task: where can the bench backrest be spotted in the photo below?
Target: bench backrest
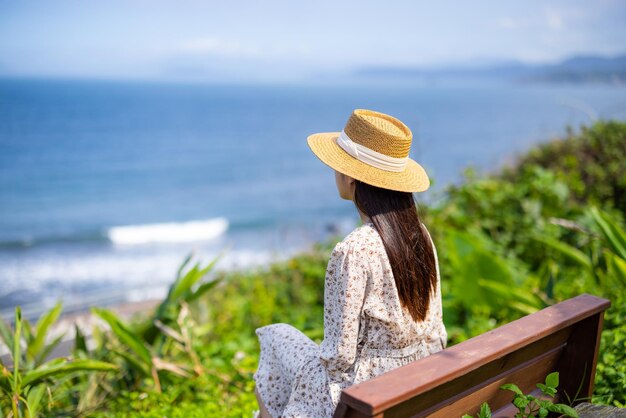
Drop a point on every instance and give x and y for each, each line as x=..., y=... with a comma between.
x=563, y=337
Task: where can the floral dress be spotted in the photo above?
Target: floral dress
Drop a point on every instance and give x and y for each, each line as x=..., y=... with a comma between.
x=367, y=332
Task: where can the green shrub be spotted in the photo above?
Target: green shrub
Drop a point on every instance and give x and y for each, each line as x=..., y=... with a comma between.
x=590, y=163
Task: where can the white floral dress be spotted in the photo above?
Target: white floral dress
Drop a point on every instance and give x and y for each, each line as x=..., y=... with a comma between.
x=367, y=332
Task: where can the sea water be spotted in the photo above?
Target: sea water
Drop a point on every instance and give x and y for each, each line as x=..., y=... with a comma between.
x=106, y=186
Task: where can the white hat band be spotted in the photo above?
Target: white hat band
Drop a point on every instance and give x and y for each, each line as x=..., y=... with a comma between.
x=369, y=156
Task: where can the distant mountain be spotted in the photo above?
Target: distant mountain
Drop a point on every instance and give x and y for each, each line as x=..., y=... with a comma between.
x=577, y=69
x=585, y=69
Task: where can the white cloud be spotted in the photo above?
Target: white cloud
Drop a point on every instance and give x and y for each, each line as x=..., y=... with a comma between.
x=549, y=18
x=508, y=22
x=554, y=19
x=212, y=45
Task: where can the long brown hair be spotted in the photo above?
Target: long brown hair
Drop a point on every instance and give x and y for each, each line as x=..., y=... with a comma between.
x=394, y=215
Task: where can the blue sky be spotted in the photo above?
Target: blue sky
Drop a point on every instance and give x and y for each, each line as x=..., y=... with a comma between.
x=293, y=40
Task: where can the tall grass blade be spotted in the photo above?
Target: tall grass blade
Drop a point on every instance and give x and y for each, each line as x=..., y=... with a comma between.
x=5, y=375
x=573, y=254
x=80, y=344
x=45, y=371
x=614, y=235
x=48, y=349
x=184, y=289
x=41, y=330
x=184, y=285
x=170, y=367
x=517, y=299
x=180, y=289
x=33, y=399
x=125, y=335
x=168, y=331
x=616, y=267
x=202, y=289
x=6, y=334
x=134, y=362
x=17, y=353
x=27, y=334
x=182, y=266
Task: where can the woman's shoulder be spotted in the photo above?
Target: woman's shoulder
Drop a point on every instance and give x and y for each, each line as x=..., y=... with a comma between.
x=361, y=238
x=361, y=233
x=366, y=237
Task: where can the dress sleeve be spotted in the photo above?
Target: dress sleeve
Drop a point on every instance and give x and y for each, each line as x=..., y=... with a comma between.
x=344, y=293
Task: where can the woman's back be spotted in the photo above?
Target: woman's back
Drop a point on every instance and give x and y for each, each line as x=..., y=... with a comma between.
x=387, y=335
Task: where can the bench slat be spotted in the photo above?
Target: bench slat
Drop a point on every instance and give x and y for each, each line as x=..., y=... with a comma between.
x=525, y=375
x=461, y=373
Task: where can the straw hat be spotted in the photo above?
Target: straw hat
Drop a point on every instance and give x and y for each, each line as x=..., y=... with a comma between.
x=373, y=148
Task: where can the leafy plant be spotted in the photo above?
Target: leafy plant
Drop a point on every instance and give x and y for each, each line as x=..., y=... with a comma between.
x=590, y=163
x=610, y=381
x=530, y=406
x=141, y=347
x=186, y=288
x=604, y=263
x=25, y=383
x=484, y=412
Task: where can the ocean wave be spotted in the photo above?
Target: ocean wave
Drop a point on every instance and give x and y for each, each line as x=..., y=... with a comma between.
x=203, y=230
x=29, y=241
x=98, y=275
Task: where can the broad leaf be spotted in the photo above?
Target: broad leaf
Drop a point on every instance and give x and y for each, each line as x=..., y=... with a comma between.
x=485, y=412
x=550, y=391
x=563, y=409
x=520, y=402
x=552, y=380
x=512, y=387
x=470, y=262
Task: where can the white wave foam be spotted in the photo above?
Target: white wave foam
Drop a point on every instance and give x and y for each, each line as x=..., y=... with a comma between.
x=168, y=232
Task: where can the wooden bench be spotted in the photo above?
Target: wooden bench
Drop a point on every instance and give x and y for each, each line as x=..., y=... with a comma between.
x=564, y=337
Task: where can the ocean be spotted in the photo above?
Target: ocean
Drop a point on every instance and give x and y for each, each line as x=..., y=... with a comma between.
x=106, y=186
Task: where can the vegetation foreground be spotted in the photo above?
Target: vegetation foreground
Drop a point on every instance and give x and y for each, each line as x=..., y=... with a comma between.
x=509, y=244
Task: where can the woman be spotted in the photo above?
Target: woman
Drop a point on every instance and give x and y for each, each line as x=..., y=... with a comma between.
x=382, y=295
